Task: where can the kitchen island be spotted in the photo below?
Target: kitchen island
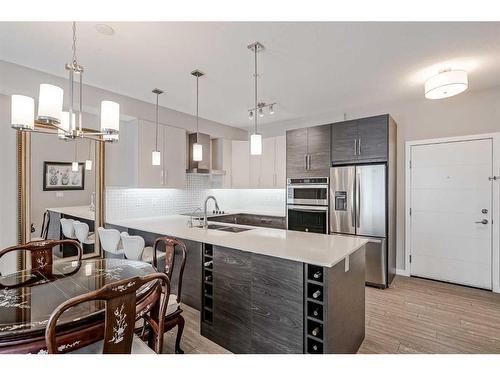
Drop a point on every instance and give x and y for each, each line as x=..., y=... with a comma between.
x=266, y=290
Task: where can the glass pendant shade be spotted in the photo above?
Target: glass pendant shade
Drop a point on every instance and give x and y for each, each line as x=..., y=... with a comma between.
x=64, y=126
x=22, y=115
x=256, y=144
x=110, y=117
x=50, y=102
x=197, y=152
x=88, y=165
x=445, y=84
x=156, y=158
x=74, y=166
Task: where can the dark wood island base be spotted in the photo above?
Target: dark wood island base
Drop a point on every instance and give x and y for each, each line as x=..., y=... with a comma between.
x=253, y=303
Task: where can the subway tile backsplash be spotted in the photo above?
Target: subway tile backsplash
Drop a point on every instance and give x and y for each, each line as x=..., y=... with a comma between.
x=138, y=202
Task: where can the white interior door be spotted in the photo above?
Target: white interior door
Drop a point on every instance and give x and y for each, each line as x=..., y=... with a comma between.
x=451, y=212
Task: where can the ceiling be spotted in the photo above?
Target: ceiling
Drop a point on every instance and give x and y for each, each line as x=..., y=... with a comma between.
x=307, y=68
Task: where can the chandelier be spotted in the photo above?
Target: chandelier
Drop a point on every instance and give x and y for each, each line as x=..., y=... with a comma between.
x=67, y=125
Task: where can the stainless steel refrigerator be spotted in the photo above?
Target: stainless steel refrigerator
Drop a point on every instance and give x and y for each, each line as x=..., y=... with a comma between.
x=358, y=206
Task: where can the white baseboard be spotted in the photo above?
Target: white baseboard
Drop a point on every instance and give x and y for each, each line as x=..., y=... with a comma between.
x=402, y=272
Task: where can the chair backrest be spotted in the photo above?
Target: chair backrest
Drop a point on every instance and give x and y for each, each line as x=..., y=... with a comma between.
x=44, y=232
x=133, y=246
x=41, y=254
x=67, y=228
x=110, y=239
x=120, y=312
x=81, y=231
x=170, y=243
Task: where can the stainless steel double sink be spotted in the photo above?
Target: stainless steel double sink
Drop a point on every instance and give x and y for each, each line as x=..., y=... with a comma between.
x=225, y=228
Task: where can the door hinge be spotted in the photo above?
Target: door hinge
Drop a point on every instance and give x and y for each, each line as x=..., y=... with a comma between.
x=410, y=164
x=410, y=258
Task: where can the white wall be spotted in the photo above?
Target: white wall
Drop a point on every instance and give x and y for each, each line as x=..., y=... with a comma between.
x=468, y=113
x=8, y=186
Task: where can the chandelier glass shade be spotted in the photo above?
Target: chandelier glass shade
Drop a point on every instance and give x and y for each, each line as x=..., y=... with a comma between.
x=22, y=112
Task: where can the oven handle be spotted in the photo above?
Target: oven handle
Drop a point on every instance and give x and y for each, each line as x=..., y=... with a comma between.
x=308, y=208
x=306, y=186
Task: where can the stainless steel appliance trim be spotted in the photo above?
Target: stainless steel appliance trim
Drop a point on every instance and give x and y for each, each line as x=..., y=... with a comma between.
x=308, y=186
x=307, y=208
x=313, y=202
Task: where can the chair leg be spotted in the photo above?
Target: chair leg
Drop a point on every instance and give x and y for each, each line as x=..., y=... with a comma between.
x=180, y=328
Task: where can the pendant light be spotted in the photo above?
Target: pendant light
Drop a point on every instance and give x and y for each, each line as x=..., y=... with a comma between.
x=88, y=162
x=256, y=138
x=156, y=155
x=74, y=165
x=197, y=147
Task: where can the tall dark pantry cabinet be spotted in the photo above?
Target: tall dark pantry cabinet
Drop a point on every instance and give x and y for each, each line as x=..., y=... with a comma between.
x=363, y=190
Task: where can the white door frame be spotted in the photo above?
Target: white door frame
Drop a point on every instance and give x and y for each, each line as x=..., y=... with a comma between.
x=495, y=259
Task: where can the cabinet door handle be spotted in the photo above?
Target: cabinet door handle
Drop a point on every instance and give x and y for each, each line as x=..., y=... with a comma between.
x=359, y=146
x=162, y=180
x=305, y=162
x=355, y=147
x=309, y=162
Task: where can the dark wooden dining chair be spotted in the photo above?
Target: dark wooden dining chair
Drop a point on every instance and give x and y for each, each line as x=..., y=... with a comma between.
x=44, y=232
x=41, y=255
x=174, y=311
x=120, y=317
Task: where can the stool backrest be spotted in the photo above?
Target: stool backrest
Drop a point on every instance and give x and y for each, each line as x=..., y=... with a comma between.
x=110, y=239
x=81, y=231
x=170, y=244
x=45, y=225
x=120, y=312
x=133, y=246
x=67, y=228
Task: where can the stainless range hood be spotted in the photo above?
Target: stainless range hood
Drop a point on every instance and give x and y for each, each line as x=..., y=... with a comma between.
x=204, y=166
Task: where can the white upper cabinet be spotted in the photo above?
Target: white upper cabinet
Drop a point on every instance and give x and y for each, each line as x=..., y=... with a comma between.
x=125, y=152
x=240, y=164
x=266, y=171
x=172, y=145
x=174, y=157
x=280, y=162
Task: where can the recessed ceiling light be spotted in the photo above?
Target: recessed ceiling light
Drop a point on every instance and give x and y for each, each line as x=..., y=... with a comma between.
x=104, y=29
x=445, y=84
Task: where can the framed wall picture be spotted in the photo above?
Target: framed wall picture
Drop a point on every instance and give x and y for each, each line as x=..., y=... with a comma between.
x=59, y=176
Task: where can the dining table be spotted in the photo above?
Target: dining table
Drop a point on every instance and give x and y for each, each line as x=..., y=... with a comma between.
x=29, y=296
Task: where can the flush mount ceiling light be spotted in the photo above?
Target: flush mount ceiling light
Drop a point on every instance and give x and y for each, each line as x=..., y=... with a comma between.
x=66, y=125
x=446, y=83
x=156, y=155
x=104, y=29
x=197, y=147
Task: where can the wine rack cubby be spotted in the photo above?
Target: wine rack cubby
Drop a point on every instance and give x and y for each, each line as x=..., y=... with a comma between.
x=207, y=285
x=314, y=309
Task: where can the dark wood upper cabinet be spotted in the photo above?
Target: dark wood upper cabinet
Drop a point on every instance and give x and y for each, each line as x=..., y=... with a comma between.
x=344, y=141
x=308, y=152
x=362, y=140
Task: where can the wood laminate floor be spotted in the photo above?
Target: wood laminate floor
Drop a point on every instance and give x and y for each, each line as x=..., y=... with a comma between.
x=412, y=316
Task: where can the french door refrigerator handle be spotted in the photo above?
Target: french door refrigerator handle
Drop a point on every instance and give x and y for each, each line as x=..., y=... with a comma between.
x=358, y=198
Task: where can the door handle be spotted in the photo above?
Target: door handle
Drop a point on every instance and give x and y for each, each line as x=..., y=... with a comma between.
x=355, y=146
x=358, y=200
x=305, y=162
x=359, y=146
x=484, y=222
x=308, y=162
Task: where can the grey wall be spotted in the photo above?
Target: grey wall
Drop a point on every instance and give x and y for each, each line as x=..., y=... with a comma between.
x=469, y=113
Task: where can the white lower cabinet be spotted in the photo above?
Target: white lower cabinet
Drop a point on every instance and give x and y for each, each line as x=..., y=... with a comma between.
x=266, y=171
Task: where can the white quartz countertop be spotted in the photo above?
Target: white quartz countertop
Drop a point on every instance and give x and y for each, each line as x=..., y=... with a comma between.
x=82, y=212
x=313, y=248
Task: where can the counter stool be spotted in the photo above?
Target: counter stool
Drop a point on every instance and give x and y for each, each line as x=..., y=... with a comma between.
x=134, y=248
x=86, y=238
x=111, y=242
x=68, y=229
